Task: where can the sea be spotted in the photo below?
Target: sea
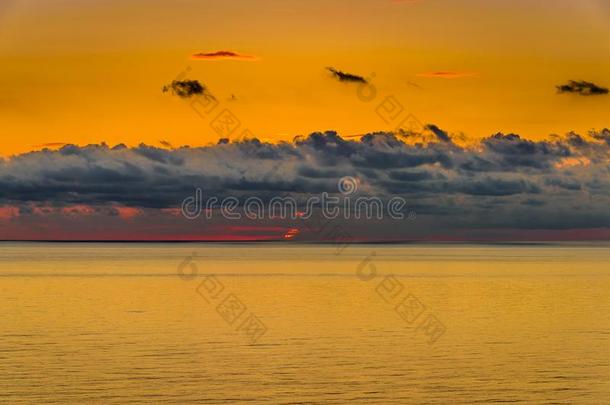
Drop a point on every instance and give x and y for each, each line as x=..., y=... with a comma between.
x=289, y=323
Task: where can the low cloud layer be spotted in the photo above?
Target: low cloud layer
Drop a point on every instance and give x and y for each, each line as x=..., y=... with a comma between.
x=346, y=77
x=582, y=88
x=502, y=182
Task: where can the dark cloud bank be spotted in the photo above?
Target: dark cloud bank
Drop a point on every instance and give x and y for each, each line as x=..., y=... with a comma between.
x=503, y=182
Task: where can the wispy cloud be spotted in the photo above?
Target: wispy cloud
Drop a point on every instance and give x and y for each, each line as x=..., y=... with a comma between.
x=582, y=88
x=224, y=55
x=447, y=74
x=346, y=77
x=51, y=145
x=413, y=84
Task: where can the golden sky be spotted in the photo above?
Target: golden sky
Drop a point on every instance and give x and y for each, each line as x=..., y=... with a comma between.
x=75, y=71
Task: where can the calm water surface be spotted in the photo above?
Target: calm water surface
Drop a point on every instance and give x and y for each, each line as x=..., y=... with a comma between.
x=114, y=323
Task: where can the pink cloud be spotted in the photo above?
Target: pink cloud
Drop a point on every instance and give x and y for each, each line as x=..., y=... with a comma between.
x=128, y=212
x=172, y=211
x=78, y=210
x=8, y=212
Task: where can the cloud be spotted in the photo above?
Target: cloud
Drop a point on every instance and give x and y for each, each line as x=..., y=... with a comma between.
x=346, y=77
x=504, y=182
x=413, y=84
x=582, y=88
x=446, y=75
x=442, y=136
x=186, y=88
x=165, y=143
x=127, y=212
x=8, y=212
x=78, y=209
x=223, y=55
x=51, y=145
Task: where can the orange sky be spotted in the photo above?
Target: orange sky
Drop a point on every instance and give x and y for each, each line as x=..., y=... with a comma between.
x=75, y=71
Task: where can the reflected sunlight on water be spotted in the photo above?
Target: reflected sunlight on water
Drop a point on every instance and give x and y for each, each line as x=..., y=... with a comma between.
x=112, y=323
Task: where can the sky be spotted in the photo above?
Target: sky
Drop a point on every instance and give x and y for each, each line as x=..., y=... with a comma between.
x=80, y=73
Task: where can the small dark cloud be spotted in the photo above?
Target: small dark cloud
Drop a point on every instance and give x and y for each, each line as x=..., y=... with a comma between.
x=582, y=88
x=166, y=144
x=218, y=55
x=442, y=136
x=346, y=77
x=187, y=88
x=603, y=135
